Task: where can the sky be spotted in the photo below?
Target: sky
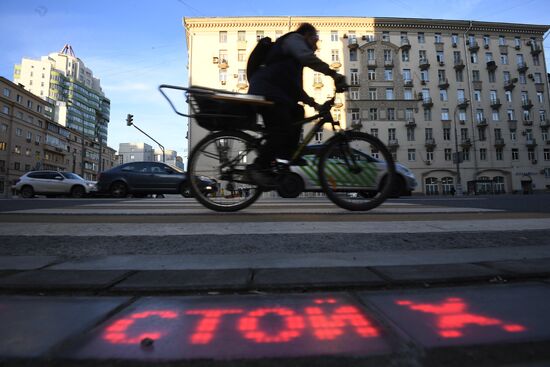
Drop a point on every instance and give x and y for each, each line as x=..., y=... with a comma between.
x=134, y=46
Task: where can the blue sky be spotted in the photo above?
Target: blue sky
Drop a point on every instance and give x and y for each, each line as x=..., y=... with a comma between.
x=133, y=46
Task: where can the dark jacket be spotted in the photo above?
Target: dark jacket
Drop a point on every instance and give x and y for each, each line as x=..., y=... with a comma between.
x=281, y=80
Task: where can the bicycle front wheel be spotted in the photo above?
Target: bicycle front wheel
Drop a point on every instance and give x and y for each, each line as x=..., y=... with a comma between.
x=217, y=171
x=356, y=171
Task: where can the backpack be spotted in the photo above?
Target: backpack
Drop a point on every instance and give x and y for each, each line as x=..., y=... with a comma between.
x=258, y=56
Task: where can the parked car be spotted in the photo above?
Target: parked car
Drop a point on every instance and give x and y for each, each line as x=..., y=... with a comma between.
x=53, y=183
x=143, y=178
x=404, y=185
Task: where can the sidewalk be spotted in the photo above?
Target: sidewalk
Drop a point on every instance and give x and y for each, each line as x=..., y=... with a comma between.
x=136, y=311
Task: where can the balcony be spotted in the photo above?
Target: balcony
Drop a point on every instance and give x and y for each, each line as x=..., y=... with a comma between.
x=509, y=85
x=459, y=64
x=335, y=65
x=408, y=83
x=545, y=123
x=388, y=64
x=410, y=122
x=531, y=143
x=430, y=143
x=526, y=104
x=477, y=84
x=539, y=87
x=443, y=83
x=527, y=122
x=424, y=64
x=466, y=143
x=482, y=122
x=491, y=65
x=427, y=102
x=353, y=44
x=535, y=49
x=371, y=64
x=499, y=143
x=522, y=67
x=462, y=103
x=405, y=44
x=473, y=46
x=242, y=85
x=393, y=144
x=223, y=64
x=495, y=103
x=356, y=125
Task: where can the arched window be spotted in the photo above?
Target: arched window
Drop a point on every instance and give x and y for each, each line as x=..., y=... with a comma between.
x=484, y=185
x=447, y=183
x=498, y=182
x=431, y=186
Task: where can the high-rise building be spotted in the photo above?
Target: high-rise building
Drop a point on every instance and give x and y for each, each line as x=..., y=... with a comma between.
x=458, y=102
x=64, y=80
x=135, y=152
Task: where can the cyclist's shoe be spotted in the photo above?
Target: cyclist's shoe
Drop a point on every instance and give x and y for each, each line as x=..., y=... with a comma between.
x=263, y=177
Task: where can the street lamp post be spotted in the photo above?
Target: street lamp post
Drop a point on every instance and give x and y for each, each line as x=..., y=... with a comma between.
x=130, y=122
x=457, y=156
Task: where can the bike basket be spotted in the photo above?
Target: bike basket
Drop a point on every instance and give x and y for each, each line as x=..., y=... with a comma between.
x=213, y=114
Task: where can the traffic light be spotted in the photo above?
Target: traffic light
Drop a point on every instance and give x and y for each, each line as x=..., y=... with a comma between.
x=130, y=120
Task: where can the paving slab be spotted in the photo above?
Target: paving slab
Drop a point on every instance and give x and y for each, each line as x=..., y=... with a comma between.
x=33, y=325
x=62, y=279
x=436, y=272
x=186, y=280
x=315, y=277
x=235, y=327
x=464, y=316
x=25, y=262
x=526, y=266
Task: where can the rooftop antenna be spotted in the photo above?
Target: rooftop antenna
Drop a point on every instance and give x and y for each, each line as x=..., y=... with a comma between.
x=67, y=50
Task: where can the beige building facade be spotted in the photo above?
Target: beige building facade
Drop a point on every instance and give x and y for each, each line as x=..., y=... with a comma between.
x=463, y=104
x=31, y=140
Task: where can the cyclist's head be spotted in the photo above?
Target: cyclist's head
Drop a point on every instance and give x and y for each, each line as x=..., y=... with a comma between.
x=310, y=34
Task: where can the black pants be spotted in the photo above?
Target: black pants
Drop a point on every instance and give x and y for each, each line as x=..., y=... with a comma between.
x=283, y=134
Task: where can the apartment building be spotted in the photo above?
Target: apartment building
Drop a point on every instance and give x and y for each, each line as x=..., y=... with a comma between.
x=464, y=104
x=31, y=140
x=64, y=80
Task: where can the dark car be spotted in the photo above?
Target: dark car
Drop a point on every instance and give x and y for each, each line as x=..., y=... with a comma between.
x=143, y=178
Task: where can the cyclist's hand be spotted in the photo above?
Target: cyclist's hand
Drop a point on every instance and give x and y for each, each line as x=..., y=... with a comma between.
x=340, y=83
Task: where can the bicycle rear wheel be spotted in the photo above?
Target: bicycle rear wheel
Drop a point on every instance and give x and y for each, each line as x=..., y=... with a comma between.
x=223, y=156
x=350, y=173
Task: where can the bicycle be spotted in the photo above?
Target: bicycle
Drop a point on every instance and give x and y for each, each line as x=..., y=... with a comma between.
x=350, y=178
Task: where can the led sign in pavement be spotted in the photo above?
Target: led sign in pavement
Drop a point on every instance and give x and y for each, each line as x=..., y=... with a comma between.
x=238, y=327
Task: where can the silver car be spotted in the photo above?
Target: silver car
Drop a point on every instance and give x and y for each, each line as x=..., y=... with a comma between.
x=404, y=185
x=53, y=183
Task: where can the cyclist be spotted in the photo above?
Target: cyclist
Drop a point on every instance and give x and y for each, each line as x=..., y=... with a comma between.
x=280, y=81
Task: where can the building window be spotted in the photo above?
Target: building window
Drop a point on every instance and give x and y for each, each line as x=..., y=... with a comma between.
x=443, y=95
x=459, y=76
x=482, y=154
x=410, y=134
x=428, y=114
x=374, y=132
x=473, y=57
x=223, y=37
x=391, y=134
x=6, y=110
x=354, y=94
x=18, y=132
x=546, y=154
x=241, y=55
x=421, y=38
x=446, y=133
x=499, y=154
x=371, y=74
x=354, y=77
x=448, y=154
x=334, y=36
x=475, y=75
x=444, y=114
x=388, y=74
x=391, y=114
x=408, y=94
x=515, y=154
x=495, y=115
x=437, y=38
x=504, y=59
x=389, y=93
x=6, y=92
x=405, y=56
x=352, y=55
x=411, y=154
x=373, y=114
x=372, y=94
x=335, y=56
